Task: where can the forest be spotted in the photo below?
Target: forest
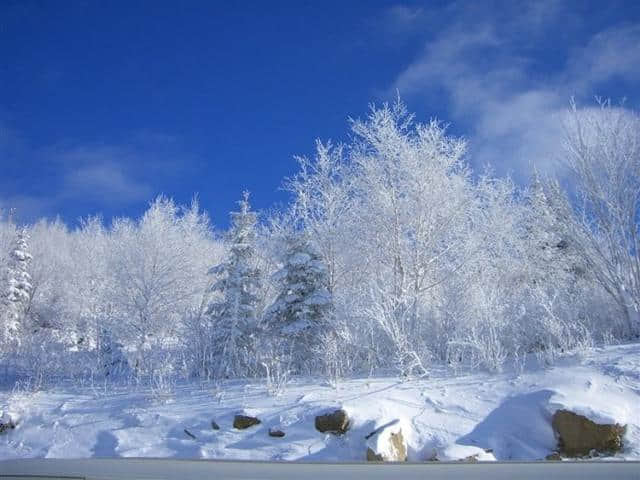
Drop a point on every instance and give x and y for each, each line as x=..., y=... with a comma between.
x=394, y=255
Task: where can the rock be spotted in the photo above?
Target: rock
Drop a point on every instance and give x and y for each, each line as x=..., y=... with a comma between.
x=373, y=456
x=469, y=459
x=578, y=436
x=276, y=433
x=214, y=425
x=244, y=421
x=553, y=457
x=336, y=422
x=7, y=426
x=387, y=444
x=6, y=423
x=465, y=453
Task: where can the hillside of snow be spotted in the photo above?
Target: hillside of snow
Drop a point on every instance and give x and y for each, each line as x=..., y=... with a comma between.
x=501, y=416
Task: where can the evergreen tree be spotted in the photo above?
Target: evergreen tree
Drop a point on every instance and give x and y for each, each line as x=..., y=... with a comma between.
x=237, y=281
x=112, y=359
x=551, y=254
x=17, y=296
x=303, y=310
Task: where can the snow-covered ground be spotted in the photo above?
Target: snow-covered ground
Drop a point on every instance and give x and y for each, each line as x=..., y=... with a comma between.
x=442, y=417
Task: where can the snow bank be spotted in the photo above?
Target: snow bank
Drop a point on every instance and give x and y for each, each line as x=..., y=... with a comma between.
x=503, y=417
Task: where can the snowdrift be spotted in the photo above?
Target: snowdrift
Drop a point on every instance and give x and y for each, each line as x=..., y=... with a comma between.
x=478, y=417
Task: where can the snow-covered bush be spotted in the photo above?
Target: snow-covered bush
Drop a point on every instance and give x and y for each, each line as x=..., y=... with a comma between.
x=275, y=359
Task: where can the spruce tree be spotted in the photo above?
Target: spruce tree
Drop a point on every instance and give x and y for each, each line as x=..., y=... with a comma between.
x=303, y=310
x=18, y=289
x=237, y=281
x=551, y=254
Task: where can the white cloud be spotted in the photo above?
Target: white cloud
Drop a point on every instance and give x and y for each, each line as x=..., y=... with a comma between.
x=612, y=53
x=90, y=176
x=479, y=60
x=403, y=17
x=103, y=173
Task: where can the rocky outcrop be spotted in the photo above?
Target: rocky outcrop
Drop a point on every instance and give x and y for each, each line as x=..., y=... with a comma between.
x=578, y=436
x=336, y=422
x=244, y=421
x=214, y=425
x=387, y=444
x=276, y=433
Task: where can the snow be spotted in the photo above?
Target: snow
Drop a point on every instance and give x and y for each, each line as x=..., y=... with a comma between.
x=501, y=416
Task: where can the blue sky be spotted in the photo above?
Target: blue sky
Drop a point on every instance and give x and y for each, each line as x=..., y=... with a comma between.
x=104, y=105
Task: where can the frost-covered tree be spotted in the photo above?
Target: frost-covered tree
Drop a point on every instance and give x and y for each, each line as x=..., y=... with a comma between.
x=478, y=304
x=303, y=310
x=555, y=274
x=157, y=267
x=237, y=281
x=321, y=202
x=402, y=257
x=413, y=198
x=602, y=206
x=90, y=279
x=53, y=270
x=18, y=290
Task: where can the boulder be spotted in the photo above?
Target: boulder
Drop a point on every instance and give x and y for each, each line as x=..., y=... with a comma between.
x=336, y=422
x=244, y=421
x=276, y=433
x=387, y=444
x=214, y=425
x=578, y=436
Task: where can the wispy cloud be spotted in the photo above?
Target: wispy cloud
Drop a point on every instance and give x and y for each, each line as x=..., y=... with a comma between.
x=610, y=54
x=403, y=18
x=105, y=173
x=480, y=57
x=96, y=177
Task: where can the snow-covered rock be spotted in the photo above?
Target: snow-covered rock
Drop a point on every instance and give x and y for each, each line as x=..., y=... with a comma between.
x=387, y=444
x=465, y=453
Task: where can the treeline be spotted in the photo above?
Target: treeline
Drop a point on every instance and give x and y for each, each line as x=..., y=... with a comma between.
x=392, y=256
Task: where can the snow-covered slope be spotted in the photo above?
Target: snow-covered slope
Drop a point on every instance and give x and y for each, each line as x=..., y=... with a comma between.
x=444, y=417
